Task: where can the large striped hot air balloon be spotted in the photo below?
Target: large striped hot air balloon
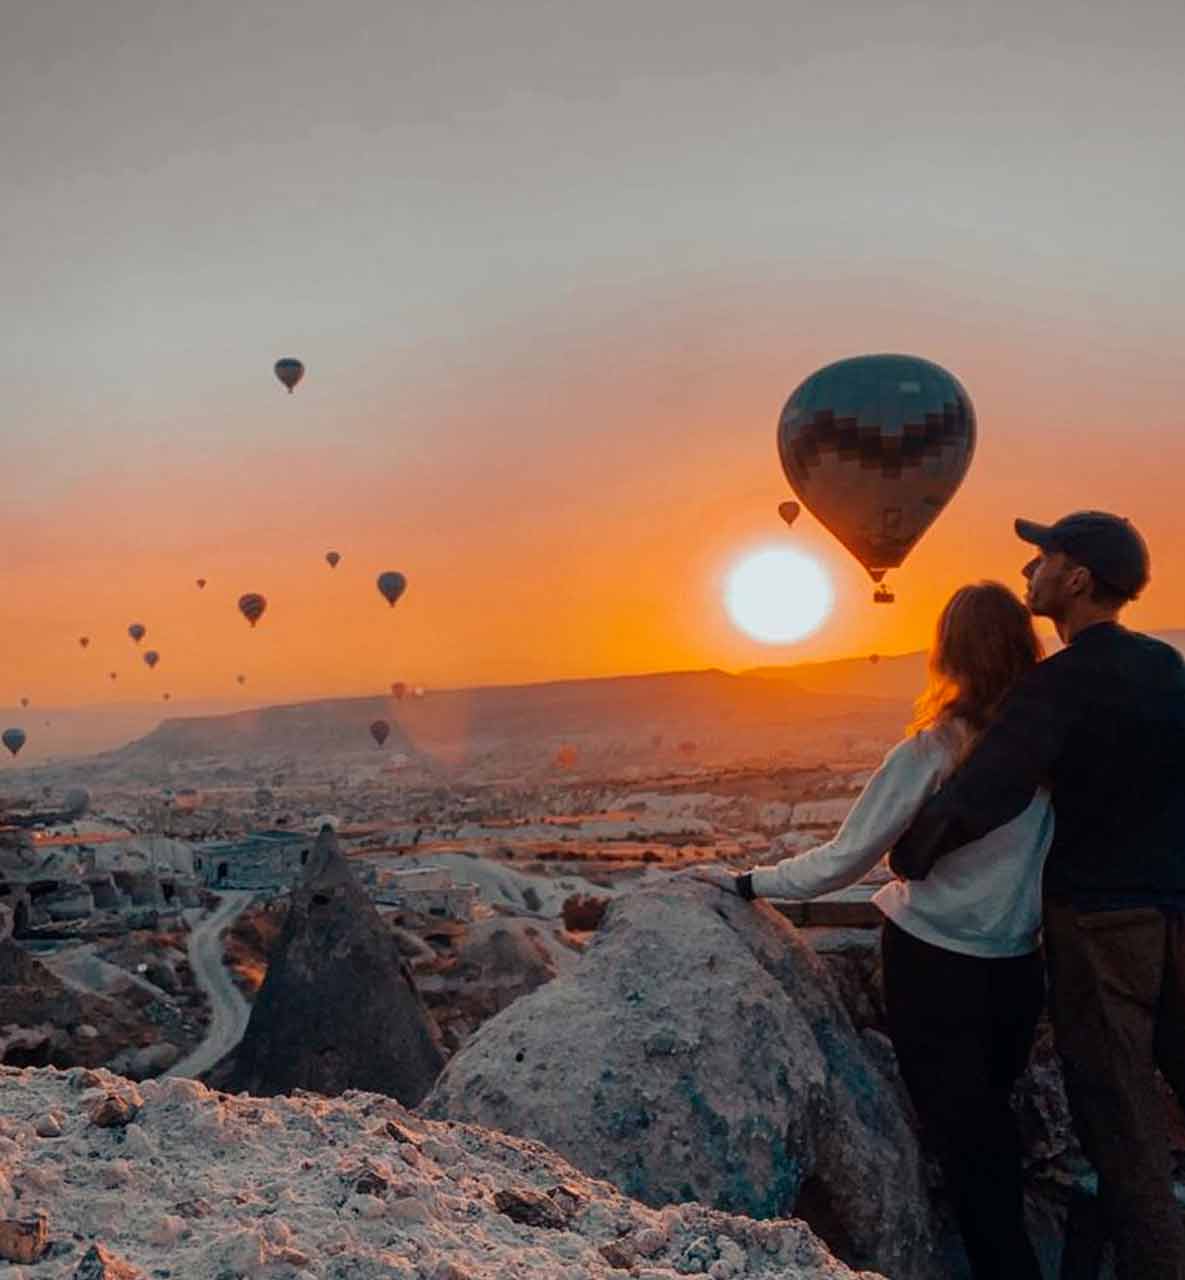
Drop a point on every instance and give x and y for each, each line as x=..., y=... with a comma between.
x=391, y=586
x=290, y=371
x=13, y=739
x=874, y=447
x=251, y=606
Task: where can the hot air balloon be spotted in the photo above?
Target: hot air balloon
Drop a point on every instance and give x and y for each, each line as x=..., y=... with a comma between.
x=379, y=731
x=83, y=641
x=241, y=679
x=874, y=658
x=251, y=606
x=24, y=702
x=331, y=559
x=391, y=586
x=137, y=631
x=399, y=690
x=289, y=371
x=565, y=758
x=13, y=739
x=875, y=447
x=166, y=696
x=151, y=658
x=113, y=675
x=688, y=748
x=201, y=584
x=789, y=511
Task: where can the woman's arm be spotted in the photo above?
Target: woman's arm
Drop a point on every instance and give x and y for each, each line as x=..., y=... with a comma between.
x=911, y=772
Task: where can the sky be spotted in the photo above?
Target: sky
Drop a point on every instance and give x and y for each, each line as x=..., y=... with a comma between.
x=554, y=269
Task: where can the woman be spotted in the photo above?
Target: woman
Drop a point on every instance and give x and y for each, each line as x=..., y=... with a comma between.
x=963, y=973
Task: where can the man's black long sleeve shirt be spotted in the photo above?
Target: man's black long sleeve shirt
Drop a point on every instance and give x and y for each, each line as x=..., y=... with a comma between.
x=1102, y=724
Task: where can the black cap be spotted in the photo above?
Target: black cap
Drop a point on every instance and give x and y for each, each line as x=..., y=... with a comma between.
x=1109, y=546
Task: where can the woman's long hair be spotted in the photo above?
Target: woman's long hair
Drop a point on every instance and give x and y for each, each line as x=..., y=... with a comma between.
x=984, y=643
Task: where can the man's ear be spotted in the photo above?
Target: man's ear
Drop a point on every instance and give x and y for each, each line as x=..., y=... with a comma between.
x=1080, y=580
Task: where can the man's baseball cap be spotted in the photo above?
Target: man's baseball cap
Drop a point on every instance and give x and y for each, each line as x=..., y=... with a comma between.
x=1109, y=546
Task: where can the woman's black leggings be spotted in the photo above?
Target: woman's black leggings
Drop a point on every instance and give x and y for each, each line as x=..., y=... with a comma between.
x=963, y=1028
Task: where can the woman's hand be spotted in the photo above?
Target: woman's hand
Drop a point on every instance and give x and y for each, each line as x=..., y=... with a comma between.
x=721, y=877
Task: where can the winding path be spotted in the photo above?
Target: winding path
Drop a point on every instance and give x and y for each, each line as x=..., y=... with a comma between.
x=228, y=1010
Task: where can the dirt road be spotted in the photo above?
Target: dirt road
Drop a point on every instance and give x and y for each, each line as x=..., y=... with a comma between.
x=228, y=1010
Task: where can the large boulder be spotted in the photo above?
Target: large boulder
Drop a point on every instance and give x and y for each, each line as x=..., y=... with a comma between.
x=700, y=1051
x=338, y=1008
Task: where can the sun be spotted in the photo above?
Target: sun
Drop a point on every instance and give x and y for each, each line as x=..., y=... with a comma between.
x=778, y=595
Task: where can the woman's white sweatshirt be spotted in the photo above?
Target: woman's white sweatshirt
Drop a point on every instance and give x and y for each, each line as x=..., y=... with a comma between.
x=981, y=900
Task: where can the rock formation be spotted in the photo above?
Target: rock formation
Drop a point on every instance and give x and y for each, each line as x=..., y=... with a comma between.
x=699, y=1050
x=352, y=1188
x=338, y=1008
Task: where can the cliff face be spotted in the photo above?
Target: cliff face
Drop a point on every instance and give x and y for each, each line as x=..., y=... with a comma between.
x=354, y=1188
x=338, y=1009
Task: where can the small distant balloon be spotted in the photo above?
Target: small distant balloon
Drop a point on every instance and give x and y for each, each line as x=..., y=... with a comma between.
x=83, y=641
x=151, y=658
x=688, y=748
x=290, y=371
x=137, y=631
x=391, y=586
x=112, y=675
x=251, y=606
x=331, y=559
x=24, y=702
x=565, y=758
x=789, y=511
x=380, y=730
x=241, y=679
x=399, y=690
x=874, y=658
x=13, y=739
x=166, y=696
x=201, y=584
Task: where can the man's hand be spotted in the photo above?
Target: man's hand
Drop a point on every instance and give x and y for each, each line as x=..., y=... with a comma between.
x=721, y=877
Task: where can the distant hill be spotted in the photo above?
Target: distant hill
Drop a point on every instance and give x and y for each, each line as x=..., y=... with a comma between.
x=708, y=707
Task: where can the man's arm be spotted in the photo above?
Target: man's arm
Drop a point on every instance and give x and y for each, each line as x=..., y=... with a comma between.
x=998, y=779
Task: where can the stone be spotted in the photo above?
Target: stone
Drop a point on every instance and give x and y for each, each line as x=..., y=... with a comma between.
x=49, y=1126
x=113, y=1111
x=617, y=1255
x=24, y=1239
x=99, y=1263
x=531, y=1208
x=706, y=1055
x=339, y=1008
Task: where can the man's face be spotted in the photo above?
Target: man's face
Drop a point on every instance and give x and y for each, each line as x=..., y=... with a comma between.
x=1053, y=582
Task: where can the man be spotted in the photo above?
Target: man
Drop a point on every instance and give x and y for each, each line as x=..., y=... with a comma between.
x=1102, y=723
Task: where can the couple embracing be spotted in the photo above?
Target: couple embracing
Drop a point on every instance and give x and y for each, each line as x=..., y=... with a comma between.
x=1035, y=820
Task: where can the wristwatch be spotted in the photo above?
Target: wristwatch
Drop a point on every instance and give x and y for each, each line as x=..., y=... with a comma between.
x=745, y=886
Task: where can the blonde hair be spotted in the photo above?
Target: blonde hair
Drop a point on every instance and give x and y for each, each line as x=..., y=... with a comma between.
x=983, y=644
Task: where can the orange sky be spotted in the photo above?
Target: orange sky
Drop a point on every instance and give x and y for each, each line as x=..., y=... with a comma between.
x=569, y=510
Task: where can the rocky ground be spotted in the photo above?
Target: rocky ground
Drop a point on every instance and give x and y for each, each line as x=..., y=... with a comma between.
x=88, y=1008
x=350, y=1188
